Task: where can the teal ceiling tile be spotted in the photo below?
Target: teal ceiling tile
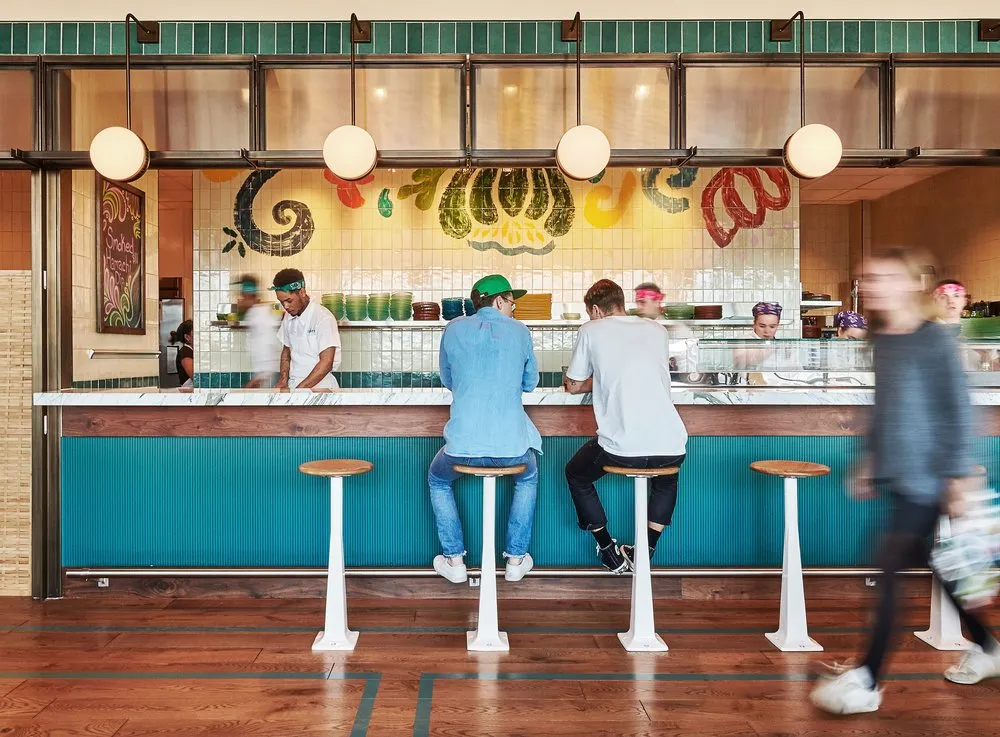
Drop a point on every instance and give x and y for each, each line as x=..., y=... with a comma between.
x=689, y=36
x=835, y=36
x=947, y=36
x=463, y=37
x=268, y=38
x=480, y=38
x=817, y=37
x=85, y=33
x=185, y=38
x=447, y=39
x=380, y=32
x=251, y=38
x=932, y=37
x=217, y=38
x=755, y=36
x=529, y=37
x=883, y=36
x=36, y=38
x=432, y=42
x=494, y=37
x=19, y=38
x=235, y=38
x=414, y=38
x=512, y=38
x=53, y=38
x=706, y=36
x=723, y=37
x=626, y=42
x=102, y=38
x=593, y=34
x=202, y=38
x=869, y=37
x=545, y=30
x=640, y=36
x=665, y=36
x=899, y=38
x=963, y=36
x=6, y=38
x=609, y=39
x=852, y=36
x=317, y=38
x=738, y=30
x=300, y=38
x=915, y=36
x=978, y=46
x=282, y=38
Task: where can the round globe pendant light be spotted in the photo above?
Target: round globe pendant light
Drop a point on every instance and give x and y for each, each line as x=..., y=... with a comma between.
x=583, y=151
x=350, y=151
x=813, y=150
x=118, y=153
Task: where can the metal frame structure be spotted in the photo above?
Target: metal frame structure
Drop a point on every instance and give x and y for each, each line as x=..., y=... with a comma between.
x=51, y=334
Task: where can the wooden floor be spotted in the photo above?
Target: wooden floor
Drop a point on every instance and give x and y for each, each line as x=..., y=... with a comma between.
x=243, y=668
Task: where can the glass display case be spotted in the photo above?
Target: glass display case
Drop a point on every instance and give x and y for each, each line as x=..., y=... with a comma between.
x=804, y=363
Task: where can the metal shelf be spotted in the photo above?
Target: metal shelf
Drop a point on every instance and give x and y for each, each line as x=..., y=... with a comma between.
x=816, y=304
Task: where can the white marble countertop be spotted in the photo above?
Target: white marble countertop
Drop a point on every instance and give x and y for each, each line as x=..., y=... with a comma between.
x=431, y=397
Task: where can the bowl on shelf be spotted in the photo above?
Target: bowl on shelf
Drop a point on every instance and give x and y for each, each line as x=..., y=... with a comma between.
x=334, y=301
x=426, y=311
x=356, y=307
x=452, y=307
x=708, y=312
x=470, y=309
x=678, y=311
x=378, y=306
x=401, y=305
x=571, y=316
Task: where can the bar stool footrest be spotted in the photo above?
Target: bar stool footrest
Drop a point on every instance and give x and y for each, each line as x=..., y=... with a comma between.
x=634, y=644
x=345, y=641
x=793, y=645
x=485, y=643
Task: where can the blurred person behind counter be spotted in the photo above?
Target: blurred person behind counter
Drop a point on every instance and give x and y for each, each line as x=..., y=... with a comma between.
x=683, y=343
x=309, y=335
x=262, y=335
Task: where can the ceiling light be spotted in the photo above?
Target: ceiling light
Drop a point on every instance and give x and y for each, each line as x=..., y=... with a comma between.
x=510, y=90
x=641, y=91
x=118, y=153
x=583, y=151
x=380, y=93
x=350, y=151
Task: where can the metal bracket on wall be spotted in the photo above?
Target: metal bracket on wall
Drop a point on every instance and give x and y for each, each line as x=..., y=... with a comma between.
x=989, y=29
x=782, y=30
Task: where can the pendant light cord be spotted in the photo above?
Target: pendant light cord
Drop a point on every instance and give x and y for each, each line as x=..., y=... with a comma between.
x=801, y=17
x=579, y=42
x=128, y=66
x=354, y=24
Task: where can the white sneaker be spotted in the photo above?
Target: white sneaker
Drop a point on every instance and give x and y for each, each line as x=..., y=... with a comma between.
x=454, y=573
x=850, y=692
x=515, y=572
x=975, y=666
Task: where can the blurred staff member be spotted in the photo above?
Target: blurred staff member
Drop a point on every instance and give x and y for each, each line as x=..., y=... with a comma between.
x=850, y=325
x=309, y=336
x=950, y=296
x=184, y=334
x=919, y=452
x=649, y=303
x=262, y=337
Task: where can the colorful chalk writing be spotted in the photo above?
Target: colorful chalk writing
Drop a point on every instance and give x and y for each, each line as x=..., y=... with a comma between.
x=121, y=259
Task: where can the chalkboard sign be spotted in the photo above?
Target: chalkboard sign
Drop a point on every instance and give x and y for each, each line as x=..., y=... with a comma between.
x=121, y=258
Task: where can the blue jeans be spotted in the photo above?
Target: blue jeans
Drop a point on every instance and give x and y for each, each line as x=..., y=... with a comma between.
x=522, y=509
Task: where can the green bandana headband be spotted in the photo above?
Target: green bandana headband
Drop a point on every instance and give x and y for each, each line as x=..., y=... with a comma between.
x=293, y=287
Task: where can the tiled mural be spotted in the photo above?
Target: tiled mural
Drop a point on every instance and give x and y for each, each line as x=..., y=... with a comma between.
x=717, y=236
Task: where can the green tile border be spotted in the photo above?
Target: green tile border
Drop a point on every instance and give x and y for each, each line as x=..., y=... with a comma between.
x=494, y=37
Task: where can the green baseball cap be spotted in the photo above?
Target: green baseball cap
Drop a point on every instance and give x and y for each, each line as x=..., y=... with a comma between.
x=495, y=284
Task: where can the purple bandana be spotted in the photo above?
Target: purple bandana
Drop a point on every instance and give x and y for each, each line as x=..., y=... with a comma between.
x=767, y=308
x=850, y=319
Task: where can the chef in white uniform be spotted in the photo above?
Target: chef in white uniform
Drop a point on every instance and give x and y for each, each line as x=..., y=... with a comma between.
x=308, y=334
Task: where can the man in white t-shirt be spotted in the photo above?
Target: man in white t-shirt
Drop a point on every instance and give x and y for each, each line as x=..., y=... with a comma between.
x=624, y=360
x=309, y=335
x=262, y=334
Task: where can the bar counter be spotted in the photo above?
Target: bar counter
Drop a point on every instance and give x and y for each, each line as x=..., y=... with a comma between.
x=209, y=479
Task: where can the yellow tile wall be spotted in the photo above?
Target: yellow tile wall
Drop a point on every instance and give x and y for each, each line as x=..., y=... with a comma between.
x=824, y=252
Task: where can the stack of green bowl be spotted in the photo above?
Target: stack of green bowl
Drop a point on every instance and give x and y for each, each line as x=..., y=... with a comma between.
x=334, y=301
x=678, y=311
x=357, y=307
x=401, y=305
x=378, y=306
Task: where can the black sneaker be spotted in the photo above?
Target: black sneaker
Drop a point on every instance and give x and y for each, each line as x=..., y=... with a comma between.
x=628, y=553
x=612, y=559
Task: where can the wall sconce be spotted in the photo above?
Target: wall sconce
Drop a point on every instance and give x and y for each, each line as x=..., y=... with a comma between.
x=119, y=153
x=583, y=151
x=350, y=151
x=989, y=29
x=813, y=150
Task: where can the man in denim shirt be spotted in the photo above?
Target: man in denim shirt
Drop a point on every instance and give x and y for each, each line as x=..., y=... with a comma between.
x=487, y=361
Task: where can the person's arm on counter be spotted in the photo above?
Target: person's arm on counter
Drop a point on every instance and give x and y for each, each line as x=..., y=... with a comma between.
x=321, y=370
x=580, y=365
x=286, y=366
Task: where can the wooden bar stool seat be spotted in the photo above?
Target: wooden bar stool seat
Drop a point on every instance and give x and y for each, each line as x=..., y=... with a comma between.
x=944, y=632
x=793, y=631
x=335, y=634
x=641, y=636
x=487, y=635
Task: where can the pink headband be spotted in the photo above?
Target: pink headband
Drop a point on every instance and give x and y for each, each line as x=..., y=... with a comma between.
x=950, y=289
x=647, y=294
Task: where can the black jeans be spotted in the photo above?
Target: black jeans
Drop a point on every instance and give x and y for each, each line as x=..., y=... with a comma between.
x=587, y=466
x=907, y=546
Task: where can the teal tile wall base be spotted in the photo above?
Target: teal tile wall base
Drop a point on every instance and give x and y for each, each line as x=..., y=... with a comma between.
x=242, y=503
x=495, y=37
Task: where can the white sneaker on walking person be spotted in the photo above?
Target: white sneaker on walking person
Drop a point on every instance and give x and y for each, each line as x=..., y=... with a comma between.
x=846, y=692
x=976, y=665
x=517, y=571
x=449, y=569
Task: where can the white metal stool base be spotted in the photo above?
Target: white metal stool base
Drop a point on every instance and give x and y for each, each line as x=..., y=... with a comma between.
x=641, y=636
x=634, y=644
x=944, y=632
x=345, y=641
x=484, y=642
x=789, y=645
